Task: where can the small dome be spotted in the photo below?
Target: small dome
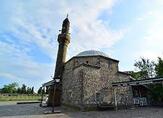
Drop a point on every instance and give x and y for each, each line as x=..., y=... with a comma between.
x=91, y=53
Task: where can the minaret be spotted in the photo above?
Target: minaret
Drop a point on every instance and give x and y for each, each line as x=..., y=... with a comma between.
x=55, y=91
x=63, y=40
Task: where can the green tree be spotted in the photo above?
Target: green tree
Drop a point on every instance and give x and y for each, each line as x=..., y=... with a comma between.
x=10, y=88
x=19, y=90
x=156, y=93
x=39, y=90
x=146, y=68
x=32, y=90
x=136, y=75
x=159, y=67
x=23, y=89
x=29, y=90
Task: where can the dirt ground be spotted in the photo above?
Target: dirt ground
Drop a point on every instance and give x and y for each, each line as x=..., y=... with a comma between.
x=13, y=110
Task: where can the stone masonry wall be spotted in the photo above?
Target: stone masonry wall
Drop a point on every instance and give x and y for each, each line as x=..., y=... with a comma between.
x=71, y=85
x=86, y=60
x=90, y=83
x=124, y=93
x=97, y=82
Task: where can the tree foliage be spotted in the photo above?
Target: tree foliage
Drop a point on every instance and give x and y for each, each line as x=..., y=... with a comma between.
x=159, y=67
x=14, y=88
x=23, y=89
x=156, y=92
x=10, y=88
x=41, y=91
x=136, y=75
x=146, y=68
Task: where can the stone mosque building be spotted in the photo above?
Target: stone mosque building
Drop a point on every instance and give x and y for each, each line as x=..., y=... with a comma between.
x=85, y=80
x=88, y=77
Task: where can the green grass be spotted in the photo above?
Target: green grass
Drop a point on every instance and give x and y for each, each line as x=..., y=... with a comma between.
x=20, y=97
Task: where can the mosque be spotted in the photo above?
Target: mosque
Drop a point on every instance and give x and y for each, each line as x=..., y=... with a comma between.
x=87, y=80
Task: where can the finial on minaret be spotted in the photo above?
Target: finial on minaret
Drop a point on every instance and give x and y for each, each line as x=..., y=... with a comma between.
x=67, y=16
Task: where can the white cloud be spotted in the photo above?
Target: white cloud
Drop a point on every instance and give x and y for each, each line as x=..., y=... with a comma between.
x=17, y=65
x=31, y=34
x=84, y=19
x=38, y=22
x=152, y=40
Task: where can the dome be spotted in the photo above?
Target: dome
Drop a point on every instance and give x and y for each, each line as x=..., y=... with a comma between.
x=91, y=53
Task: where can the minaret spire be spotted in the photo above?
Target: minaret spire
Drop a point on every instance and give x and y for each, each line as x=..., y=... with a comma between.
x=66, y=26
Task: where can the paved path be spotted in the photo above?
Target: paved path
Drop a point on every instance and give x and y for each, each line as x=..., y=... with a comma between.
x=34, y=111
x=20, y=109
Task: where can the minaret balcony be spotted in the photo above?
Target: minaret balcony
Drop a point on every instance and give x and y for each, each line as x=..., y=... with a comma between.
x=64, y=38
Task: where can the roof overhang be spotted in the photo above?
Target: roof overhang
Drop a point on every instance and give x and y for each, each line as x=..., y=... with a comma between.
x=49, y=83
x=138, y=82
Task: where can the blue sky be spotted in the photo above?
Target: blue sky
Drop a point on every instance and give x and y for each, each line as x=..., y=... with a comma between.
x=123, y=29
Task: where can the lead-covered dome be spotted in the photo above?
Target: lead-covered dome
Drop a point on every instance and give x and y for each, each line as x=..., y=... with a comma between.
x=91, y=53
